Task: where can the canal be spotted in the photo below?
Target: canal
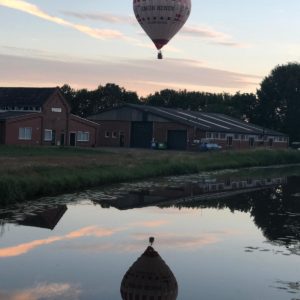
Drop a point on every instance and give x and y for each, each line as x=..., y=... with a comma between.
x=227, y=235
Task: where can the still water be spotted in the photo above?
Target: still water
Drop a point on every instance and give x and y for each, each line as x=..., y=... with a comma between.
x=221, y=236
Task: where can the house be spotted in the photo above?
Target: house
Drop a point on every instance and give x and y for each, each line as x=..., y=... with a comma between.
x=138, y=126
x=42, y=116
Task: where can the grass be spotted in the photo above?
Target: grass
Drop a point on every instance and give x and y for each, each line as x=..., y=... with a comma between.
x=28, y=173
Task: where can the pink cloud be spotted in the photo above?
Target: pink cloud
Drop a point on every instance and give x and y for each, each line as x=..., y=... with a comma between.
x=26, y=247
x=34, y=10
x=64, y=291
x=150, y=224
x=144, y=76
x=205, y=32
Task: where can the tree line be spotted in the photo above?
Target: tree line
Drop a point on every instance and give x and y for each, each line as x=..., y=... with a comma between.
x=275, y=105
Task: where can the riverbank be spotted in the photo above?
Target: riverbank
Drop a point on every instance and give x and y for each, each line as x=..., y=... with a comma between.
x=28, y=173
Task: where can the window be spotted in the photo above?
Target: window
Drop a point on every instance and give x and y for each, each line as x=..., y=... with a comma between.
x=270, y=142
x=56, y=109
x=223, y=136
x=229, y=140
x=83, y=136
x=251, y=142
x=107, y=134
x=25, y=133
x=236, y=136
x=208, y=135
x=48, y=135
x=114, y=135
x=216, y=135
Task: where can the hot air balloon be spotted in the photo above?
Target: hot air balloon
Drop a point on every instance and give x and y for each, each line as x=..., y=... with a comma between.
x=161, y=19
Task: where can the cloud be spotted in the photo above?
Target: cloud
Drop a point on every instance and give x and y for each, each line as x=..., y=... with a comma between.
x=188, y=242
x=103, y=17
x=205, y=32
x=150, y=224
x=64, y=291
x=214, y=36
x=144, y=76
x=166, y=240
x=91, y=231
x=26, y=247
x=37, y=12
x=137, y=242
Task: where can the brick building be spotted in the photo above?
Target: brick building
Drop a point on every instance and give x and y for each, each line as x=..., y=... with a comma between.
x=41, y=116
x=138, y=126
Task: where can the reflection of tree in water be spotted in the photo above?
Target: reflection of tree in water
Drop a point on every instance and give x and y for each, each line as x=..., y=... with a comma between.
x=2, y=228
x=3, y=222
x=276, y=211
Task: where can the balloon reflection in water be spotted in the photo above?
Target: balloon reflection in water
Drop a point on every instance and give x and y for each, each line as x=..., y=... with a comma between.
x=149, y=278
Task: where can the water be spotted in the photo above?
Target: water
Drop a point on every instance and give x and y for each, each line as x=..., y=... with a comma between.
x=224, y=236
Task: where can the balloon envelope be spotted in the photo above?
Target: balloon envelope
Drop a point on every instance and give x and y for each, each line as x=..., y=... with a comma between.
x=161, y=19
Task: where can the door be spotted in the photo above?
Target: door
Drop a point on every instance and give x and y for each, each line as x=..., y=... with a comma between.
x=62, y=139
x=1, y=133
x=53, y=142
x=141, y=134
x=73, y=139
x=177, y=139
x=122, y=139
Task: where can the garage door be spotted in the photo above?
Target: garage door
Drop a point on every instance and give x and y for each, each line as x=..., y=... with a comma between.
x=141, y=134
x=177, y=139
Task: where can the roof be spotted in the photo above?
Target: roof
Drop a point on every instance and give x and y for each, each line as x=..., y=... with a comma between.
x=14, y=114
x=85, y=120
x=48, y=218
x=210, y=122
x=19, y=96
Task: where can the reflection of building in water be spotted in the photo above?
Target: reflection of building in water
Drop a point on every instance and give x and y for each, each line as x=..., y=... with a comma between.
x=45, y=219
x=149, y=278
x=189, y=191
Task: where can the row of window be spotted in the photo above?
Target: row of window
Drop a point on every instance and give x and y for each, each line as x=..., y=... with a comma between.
x=28, y=108
x=113, y=134
x=245, y=137
x=25, y=133
x=21, y=108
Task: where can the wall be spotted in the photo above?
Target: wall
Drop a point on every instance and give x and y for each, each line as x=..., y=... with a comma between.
x=121, y=114
x=55, y=121
x=160, y=131
x=244, y=144
x=78, y=124
x=12, y=130
x=2, y=132
x=114, y=126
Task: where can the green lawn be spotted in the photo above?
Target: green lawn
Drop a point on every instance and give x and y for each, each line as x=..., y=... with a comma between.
x=30, y=172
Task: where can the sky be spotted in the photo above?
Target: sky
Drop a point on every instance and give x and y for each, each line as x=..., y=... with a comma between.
x=225, y=46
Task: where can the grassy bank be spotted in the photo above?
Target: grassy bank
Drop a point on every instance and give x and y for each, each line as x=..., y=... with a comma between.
x=33, y=172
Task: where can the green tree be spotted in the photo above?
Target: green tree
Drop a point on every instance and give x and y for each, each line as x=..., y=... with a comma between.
x=278, y=104
x=85, y=103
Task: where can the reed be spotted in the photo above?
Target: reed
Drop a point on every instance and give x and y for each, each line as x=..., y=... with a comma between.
x=36, y=177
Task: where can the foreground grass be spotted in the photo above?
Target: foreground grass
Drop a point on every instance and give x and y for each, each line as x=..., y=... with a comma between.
x=34, y=172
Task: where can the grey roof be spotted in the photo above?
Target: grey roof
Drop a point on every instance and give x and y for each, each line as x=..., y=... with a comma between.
x=14, y=114
x=19, y=96
x=210, y=122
